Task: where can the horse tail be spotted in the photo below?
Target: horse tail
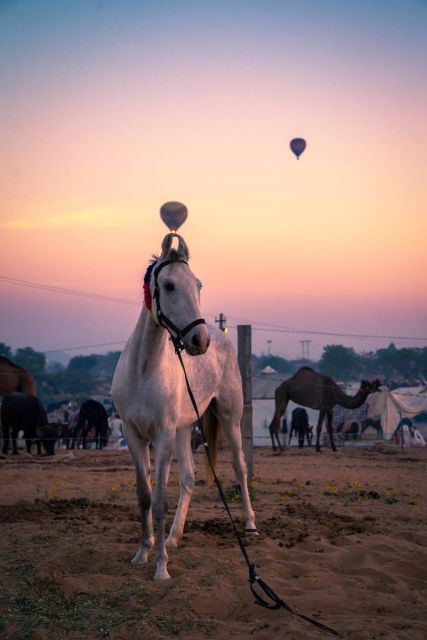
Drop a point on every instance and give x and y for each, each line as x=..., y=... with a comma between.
x=210, y=427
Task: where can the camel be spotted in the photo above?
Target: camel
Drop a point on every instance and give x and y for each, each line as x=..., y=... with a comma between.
x=317, y=391
x=15, y=378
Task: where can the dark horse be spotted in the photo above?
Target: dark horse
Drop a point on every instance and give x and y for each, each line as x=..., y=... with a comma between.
x=375, y=424
x=300, y=425
x=22, y=411
x=92, y=415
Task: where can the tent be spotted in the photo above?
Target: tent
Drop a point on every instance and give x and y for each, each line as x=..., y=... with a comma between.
x=392, y=406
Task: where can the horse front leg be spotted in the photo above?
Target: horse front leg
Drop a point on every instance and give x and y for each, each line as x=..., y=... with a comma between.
x=163, y=449
x=239, y=465
x=186, y=483
x=14, y=436
x=85, y=431
x=319, y=428
x=141, y=456
x=6, y=438
x=301, y=436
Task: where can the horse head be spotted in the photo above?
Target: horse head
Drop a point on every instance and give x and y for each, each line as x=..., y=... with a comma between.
x=175, y=294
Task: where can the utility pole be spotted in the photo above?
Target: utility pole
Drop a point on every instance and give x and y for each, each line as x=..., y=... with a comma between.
x=244, y=351
x=269, y=346
x=221, y=320
x=305, y=344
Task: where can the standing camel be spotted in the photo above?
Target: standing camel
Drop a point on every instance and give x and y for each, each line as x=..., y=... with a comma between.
x=15, y=378
x=317, y=391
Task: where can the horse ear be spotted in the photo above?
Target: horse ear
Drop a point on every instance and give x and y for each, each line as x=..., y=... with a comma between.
x=183, y=251
x=167, y=244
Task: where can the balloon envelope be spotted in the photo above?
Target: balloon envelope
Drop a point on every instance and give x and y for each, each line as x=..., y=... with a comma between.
x=298, y=145
x=173, y=214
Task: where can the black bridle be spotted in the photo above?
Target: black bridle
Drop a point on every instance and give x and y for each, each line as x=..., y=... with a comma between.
x=175, y=333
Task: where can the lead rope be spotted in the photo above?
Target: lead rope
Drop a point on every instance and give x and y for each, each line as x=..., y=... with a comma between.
x=254, y=579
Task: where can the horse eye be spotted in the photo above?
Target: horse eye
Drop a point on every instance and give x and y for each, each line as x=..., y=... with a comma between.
x=169, y=286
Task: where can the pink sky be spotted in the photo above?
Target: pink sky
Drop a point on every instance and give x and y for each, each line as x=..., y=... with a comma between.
x=108, y=114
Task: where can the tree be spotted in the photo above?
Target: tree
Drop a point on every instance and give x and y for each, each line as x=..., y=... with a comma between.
x=79, y=375
x=276, y=362
x=340, y=362
x=5, y=350
x=408, y=363
x=34, y=361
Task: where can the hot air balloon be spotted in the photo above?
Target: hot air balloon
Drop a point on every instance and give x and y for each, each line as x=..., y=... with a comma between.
x=173, y=214
x=297, y=146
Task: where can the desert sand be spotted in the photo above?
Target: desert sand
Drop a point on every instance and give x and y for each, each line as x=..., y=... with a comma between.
x=342, y=539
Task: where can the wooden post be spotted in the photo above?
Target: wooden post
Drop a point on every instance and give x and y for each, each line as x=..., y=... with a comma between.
x=244, y=351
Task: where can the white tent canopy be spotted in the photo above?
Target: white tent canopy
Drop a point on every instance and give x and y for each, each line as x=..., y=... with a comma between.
x=392, y=406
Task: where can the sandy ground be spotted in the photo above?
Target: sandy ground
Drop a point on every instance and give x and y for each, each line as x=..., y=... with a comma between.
x=342, y=539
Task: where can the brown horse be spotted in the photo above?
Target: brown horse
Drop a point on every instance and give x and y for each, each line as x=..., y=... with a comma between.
x=15, y=378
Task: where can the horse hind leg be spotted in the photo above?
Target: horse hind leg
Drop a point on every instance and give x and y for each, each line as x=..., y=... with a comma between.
x=163, y=448
x=233, y=434
x=186, y=484
x=141, y=457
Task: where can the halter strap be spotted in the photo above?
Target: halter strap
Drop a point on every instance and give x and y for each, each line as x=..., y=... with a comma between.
x=166, y=322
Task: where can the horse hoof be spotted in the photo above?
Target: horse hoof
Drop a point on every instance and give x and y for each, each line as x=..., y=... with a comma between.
x=140, y=558
x=172, y=543
x=162, y=575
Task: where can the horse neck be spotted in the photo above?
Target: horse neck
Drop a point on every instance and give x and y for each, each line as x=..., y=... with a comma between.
x=148, y=344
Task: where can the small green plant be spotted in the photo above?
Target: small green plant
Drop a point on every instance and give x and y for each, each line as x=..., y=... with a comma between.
x=51, y=494
x=353, y=491
x=294, y=491
x=112, y=493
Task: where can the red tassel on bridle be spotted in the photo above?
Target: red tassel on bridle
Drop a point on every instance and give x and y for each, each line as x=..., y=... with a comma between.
x=147, y=296
x=146, y=286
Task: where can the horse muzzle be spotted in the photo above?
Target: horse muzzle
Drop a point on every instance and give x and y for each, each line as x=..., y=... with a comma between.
x=197, y=340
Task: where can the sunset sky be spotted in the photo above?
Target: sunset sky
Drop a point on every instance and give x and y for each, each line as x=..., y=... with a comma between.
x=110, y=108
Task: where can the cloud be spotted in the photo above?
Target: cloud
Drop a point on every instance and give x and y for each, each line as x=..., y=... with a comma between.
x=93, y=219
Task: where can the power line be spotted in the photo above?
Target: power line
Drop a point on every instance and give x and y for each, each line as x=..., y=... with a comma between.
x=265, y=326
x=65, y=291
x=87, y=346
x=334, y=333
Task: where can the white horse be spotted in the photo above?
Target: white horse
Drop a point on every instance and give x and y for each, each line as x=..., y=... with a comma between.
x=150, y=393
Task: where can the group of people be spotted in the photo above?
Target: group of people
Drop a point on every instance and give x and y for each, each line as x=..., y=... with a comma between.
x=408, y=435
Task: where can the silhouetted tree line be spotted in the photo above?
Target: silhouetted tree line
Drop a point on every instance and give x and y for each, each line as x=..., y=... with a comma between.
x=394, y=366
x=92, y=374
x=83, y=376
